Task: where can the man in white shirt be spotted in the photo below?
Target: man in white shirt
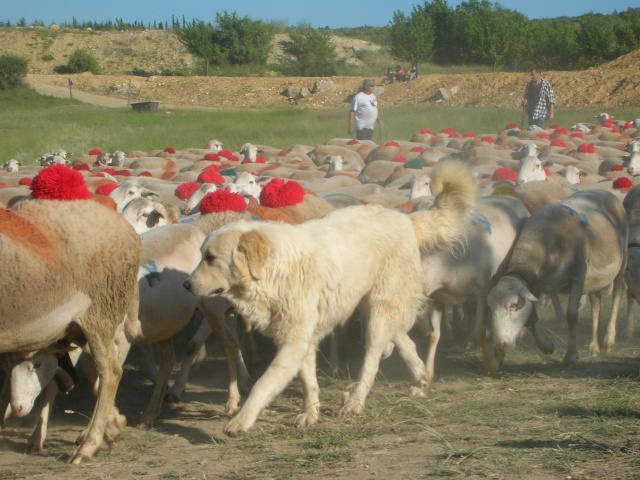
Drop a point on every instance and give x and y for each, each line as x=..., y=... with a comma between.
x=363, y=113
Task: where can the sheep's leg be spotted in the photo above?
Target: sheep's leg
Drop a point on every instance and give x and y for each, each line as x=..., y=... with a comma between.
x=627, y=334
x=571, y=357
x=230, y=345
x=557, y=307
x=39, y=435
x=109, y=373
x=5, y=410
x=434, y=337
x=280, y=372
x=174, y=394
x=595, y=300
x=492, y=363
x=166, y=357
x=542, y=342
x=310, y=390
x=618, y=291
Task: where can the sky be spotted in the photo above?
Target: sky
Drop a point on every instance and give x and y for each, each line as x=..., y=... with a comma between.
x=327, y=13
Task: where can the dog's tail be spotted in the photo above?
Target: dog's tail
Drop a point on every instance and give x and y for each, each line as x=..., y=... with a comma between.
x=443, y=224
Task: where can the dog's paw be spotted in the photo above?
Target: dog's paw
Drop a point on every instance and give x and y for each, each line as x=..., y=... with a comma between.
x=306, y=419
x=234, y=428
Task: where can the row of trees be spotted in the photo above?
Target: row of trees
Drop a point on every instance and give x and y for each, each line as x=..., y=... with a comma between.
x=479, y=32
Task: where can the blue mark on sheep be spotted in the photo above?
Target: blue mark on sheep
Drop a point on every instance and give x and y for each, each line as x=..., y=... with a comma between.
x=153, y=274
x=584, y=221
x=480, y=218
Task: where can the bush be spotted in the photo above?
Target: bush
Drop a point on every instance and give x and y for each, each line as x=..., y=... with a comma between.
x=82, y=61
x=312, y=53
x=13, y=71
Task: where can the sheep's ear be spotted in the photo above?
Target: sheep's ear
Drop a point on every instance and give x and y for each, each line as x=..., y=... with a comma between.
x=254, y=247
x=525, y=293
x=547, y=163
x=582, y=173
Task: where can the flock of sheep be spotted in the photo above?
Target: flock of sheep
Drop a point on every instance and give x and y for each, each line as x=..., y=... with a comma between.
x=556, y=212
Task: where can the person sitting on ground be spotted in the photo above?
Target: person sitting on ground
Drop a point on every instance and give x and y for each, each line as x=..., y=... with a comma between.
x=413, y=72
x=388, y=77
x=400, y=74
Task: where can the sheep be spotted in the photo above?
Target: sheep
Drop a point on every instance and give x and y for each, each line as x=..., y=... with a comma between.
x=144, y=214
x=85, y=256
x=633, y=161
x=116, y=159
x=352, y=159
x=531, y=167
x=631, y=203
x=458, y=277
x=168, y=255
x=578, y=246
x=127, y=191
x=12, y=165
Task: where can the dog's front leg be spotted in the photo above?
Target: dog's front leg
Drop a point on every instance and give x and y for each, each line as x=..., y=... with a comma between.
x=310, y=390
x=280, y=372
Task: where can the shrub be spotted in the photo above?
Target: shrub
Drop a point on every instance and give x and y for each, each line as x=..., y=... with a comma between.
x=13, y=71
x=82, y=61
x=312, y=53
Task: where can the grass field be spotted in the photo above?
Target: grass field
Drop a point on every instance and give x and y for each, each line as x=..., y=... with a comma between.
x=31, y=125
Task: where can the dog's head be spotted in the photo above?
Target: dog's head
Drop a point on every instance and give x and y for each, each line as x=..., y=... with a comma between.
x=232, y=258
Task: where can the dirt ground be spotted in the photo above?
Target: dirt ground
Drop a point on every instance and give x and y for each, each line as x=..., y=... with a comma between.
x=611, y=85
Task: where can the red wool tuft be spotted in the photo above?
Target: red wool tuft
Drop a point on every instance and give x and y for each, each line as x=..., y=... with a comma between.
x=95, y=151
x=561, y=131
x=59, y=182
x=145, y=174
x=447, y=130
x=277, y=193
x=81, y=166
x=488, y=139
x=106, y=189
x=25, y=181
x=607, y=123
x=511, y=126
x=417, y=149
x=212, y=157
x=185, y=190
x=261, y=159
x=222, y=201
x=353, y=142
x=543, y=136
x=587, y=148
x=455, y=135
x=399, y=159
x=211, y=174
x=392, y=143
x=546, y=171
x=617, y=168
x=228, y=154
x=518, y=144
x=558, y=142
x=98, y=175
x=470, y=135
x=505, y=173
x=122, y=173
x=622, y=183
x=576, y=135
x=109, y=171
x=169, y=150
x=426, y=130
x=628, y=125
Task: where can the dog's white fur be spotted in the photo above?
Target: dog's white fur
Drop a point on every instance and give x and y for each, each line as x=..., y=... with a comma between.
x=295, y=283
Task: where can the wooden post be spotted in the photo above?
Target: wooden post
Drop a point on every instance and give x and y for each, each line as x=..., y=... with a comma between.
x=70, y=92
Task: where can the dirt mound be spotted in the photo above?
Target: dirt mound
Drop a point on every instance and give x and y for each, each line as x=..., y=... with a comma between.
x=610, y=85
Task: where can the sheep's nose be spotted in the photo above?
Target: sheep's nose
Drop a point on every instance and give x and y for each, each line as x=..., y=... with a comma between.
x=187, y=285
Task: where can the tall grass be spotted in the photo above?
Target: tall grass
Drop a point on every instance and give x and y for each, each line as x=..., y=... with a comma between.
x=31, y=125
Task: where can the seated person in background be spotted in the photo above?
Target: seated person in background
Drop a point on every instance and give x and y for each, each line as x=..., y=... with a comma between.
x=400, y=74
x=413, y=72
x=388, y=77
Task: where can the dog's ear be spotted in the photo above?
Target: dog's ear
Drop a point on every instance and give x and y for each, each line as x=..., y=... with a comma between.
x=255, y=248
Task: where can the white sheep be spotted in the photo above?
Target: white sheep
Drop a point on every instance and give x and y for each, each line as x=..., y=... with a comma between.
x=127, y=191
x=12, y=165
x=144, y=213
x=631, y=203
x=69, y=270
x=577, y=246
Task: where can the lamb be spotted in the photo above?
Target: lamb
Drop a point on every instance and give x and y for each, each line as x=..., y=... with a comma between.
x=457, y=277
x=87, y=255
x=578, y=246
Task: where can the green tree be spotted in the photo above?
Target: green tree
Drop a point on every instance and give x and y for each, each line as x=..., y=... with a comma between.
x=13, y=71
x=312, y=53
x=413, y=37
x=596, y=41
